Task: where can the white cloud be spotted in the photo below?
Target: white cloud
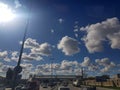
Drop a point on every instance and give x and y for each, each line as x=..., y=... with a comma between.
x=43, y=69
x=108, y=67
x=108, y=30
x=69, y=45
x=26, y=70
x=3, y=54
x=106, y=63
x=86, y=62
x=17, y=4
x=114, y=40
x=43, y=49
x=60, y=20
x=1, y=64
x=6, y=67
x=7, y=59
x=26, y=66
x=31, y=56
x=36, y=51
x=76, y=35
x=14, y=56
x=76, y=30
x=52, y=30
x=31, y=43
x=67, y=65
x=93, y=67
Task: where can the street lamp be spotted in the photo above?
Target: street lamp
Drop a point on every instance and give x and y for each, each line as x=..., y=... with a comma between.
x=18, y=68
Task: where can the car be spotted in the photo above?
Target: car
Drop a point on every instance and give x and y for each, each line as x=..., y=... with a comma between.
x=63, y=88
x=33, y=85
x=44, y=85
x=65, y=83
x=77, y=83
x=24, y=88
x=19, y=87
x=51, y=84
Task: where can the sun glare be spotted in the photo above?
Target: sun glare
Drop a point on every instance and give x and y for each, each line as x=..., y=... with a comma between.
x=6, y=13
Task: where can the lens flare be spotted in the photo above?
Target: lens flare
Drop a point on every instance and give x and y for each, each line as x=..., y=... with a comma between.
x=6, y=13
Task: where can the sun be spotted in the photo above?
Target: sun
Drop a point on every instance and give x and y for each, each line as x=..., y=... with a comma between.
x=6, y=13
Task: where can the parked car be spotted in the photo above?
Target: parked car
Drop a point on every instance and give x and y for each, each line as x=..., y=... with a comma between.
x=51, y=83
x=65, y=83
x=63, y=88
x=33, y=85
x=76, y=83
x=44, y=85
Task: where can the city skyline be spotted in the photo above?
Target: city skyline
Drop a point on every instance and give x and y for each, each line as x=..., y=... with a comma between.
x=69, y=34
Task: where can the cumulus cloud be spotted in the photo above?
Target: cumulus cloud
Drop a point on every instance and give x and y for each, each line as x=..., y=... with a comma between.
x=93, y=67
x=26, y=70
x=108, y=67
x=36, y=51
x=14, y=56
x=65, y=67
x=68, y=45
x=43, y=49
x=106, y=63
x=25, y=56
x=31, y=43
x=43, y=69
x=6, y=67
x=76, y=35
x=3, y=54
x=1, y=64
x=108, y=30
x=114, y=40
x=31, y=56
x=26, y=65
x=86, y=62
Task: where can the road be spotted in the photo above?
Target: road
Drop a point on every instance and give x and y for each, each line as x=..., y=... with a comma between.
x=99, y=88
x=72, y=88
x=56, y=88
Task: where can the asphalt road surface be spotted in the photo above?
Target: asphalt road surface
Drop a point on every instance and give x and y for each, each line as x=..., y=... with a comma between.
x=72, y=88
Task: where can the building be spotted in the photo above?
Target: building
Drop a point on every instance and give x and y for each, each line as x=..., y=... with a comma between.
x=104, y=80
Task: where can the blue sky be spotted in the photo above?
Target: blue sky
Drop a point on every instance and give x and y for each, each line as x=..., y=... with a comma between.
x=73, y=34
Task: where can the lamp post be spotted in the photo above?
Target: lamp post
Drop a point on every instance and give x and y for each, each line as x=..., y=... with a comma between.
x=18, y=68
